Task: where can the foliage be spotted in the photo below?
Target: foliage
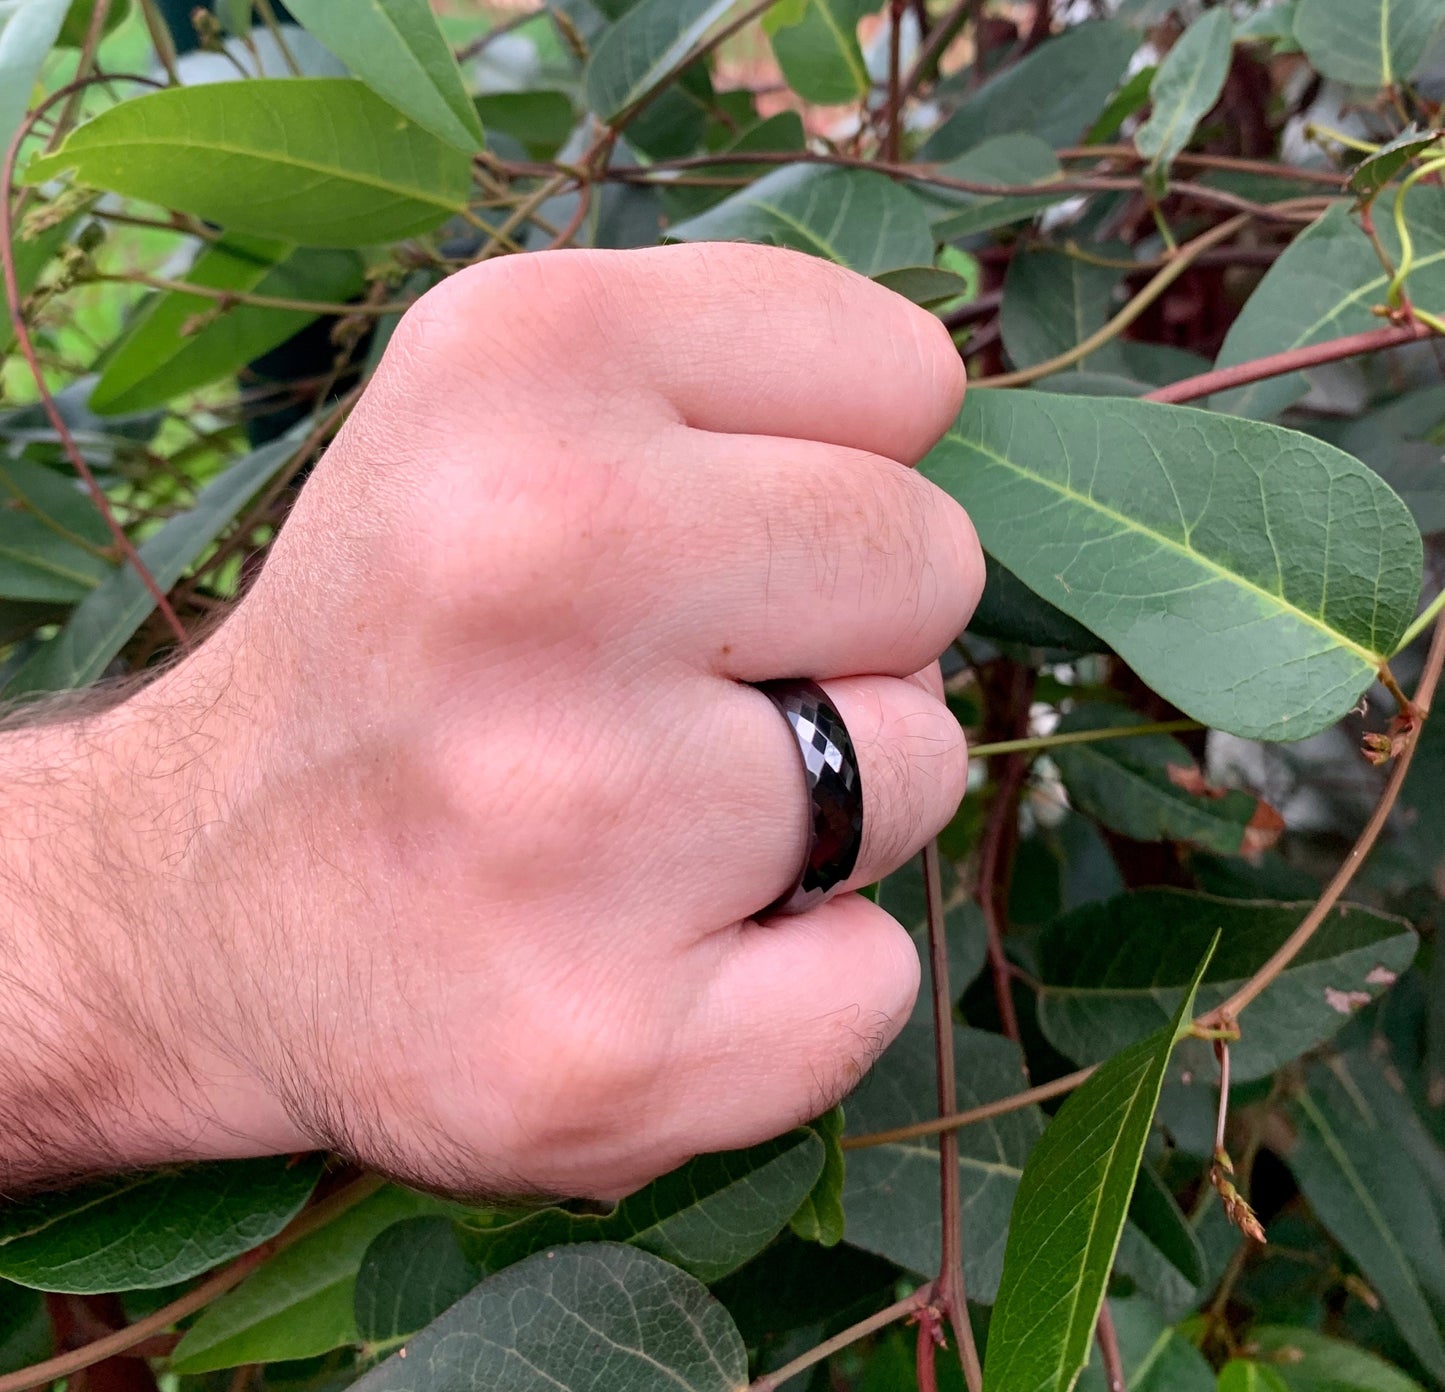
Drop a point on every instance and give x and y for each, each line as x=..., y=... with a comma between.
x=1191, y=253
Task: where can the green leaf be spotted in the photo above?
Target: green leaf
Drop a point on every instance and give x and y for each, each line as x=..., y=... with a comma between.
x=1325, y=286
x=780, y=134
x=541, y=118
x=708, y=1217
x=397, y=49
x=48, y=526
x=1010, y=612
x=891, y=1191
x=1156, y=1357
x=158, y=360
x=649, y=44
x=77, y=21
x=816, y=45
x=1367, y=43
x=321, y=161
x=1112, y=972
x=1069, y=1215
x=1374, y=1202
x=1311, y=1362
x=301, y=1302
x=1186, y=87
x=153, y=1229
x=1244, y=1375
x=28, y=29
x=1149, y=788
x=1373, y=172
x=1051, y=301
x=1155, y=1216
x=1163, y=529
x=926, y=285
x=855, y=217
x=1054, y=93
x=599, y=1318
x=107, y=617
x=1007, y=161
x=820, y=1217
x=411, y=1273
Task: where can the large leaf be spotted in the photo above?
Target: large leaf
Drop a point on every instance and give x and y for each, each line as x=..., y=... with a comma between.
x=1051, y=301
x=1150, y=788
x=1156, y=1357
x=1367, y=43
x=321, y=161
x=1255, y=577
x=816, y=45
x=1008, y=611
x=1054, y=93
x=410, y=1273
x=1326, y=285
x=1186, y=87
x=708, y=1217
x=107, y=617
x=599, y=1318
x=158, y=359
x=151, y=1229
x=1311, y=1362
x=855, y=217
x=1007, y=161
x=1375, y=1203
x=397, y=49
x=49, y=532
x=1068, y=1218
x=820, y=1217
x=301, y=1302
x=890, y=1193
x=1112, y=972
x=28, y=28
x=647, y=45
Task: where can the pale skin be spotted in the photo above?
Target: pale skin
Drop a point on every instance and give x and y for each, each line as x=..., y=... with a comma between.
x=445, y=851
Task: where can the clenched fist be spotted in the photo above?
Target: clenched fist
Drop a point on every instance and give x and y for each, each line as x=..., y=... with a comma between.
x=447, y=851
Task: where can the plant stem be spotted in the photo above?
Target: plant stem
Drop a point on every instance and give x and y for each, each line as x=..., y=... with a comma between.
x=1106, y=732
x=900, y=1309
x=161, y=40
x=956, y=1121
x=1430, y=614
x=1113, y=1361
x=228, y=1277
x=925, y=66
x=893, y=110
x=1290, y=948
x=950, y=1289
x=247, y=297
x=1156, y=286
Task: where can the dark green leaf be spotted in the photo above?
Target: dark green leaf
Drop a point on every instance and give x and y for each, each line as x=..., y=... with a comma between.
x=1149, y=788
x=599, y=1318
x=541, y=119
x=891, y=1191
x=1156, y=1216
x=77, y=21
x=107, y=617
x=708, y=1217
x=151, y=1229
x=1367, y=43
x=1162, y=529
x=1156, y=1358
x=1325, y=286
x=25, y=1334
x=1051, y=301
x=820, y=1217
x=855, y=217
x=1374, y=1202
x=1311, y=1362
x=1186, y=87
x=1010, y=612
x=28, y=28
x=925, y=285
x=322, y=161
x=902, y=895
x=301, y=1302
x=644, y=48
x=49, y=530
x=411, y=1272
x=1373, y=172
x=1111, y=972
x=1004, y=161
x=158, y=360
x=816, y=45
x=1244, y=1375
x=1054, y=93
x=1069, y=1215
x=397, y=49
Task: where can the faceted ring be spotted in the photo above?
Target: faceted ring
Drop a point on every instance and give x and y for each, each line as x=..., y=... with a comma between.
x=835, y=792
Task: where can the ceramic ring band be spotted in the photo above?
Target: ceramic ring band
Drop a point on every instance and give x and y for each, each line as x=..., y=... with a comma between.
x=835, y=792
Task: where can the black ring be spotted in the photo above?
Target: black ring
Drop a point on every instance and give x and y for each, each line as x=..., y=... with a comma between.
x=835, y=792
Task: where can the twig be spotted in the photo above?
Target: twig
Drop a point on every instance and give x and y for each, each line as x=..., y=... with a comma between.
x=893, y=110
x=1105, y=732
x=1113, y=1361
x=230, y=298
x=506, y=26
x=27, y=348
x=925, y=66
x=1191, y=160
x=951, y=1291
x=161, y=40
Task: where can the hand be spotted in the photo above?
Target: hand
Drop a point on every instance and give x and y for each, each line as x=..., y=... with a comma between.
x=443, y=852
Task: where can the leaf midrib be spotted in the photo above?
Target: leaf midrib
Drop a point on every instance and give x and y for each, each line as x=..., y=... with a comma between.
x=860, y=74
x=1365, y=655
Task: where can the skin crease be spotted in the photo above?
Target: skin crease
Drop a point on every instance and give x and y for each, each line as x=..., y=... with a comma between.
x=441, y=852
